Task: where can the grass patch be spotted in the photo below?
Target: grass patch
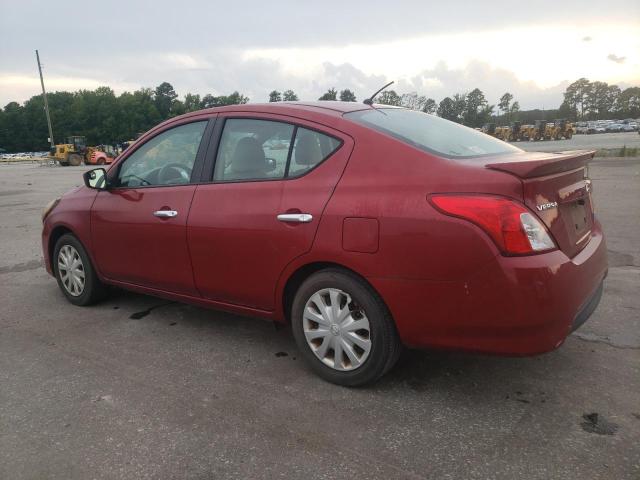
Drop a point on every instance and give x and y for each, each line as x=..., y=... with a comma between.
x=618, y=152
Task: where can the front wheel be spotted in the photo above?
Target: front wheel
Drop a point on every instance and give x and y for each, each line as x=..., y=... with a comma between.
x=74, y=272
x=343, y=328
x=74, y=160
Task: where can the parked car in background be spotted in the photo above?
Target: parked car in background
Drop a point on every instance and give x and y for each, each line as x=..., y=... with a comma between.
x=366, y=228
x=581, y=127
x=596, y=128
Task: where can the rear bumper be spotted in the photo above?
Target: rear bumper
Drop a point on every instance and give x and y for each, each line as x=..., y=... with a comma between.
x=514, y=306
x=590, y=306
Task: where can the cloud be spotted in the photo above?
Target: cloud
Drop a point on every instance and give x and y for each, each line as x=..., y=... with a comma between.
x=224, y=72
x=256, y=49
x=442, y=81
x=615, y=58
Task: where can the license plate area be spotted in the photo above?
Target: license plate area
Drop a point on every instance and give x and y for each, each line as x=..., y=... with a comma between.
x=579, y=219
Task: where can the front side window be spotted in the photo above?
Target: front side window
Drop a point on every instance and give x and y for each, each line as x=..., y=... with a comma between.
x=430, y=133
x=166, y=159
x=266, y=150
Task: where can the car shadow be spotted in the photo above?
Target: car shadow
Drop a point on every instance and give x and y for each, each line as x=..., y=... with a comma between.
x=416, y=371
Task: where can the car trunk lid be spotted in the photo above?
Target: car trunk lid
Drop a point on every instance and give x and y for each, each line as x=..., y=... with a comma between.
x=556, y=187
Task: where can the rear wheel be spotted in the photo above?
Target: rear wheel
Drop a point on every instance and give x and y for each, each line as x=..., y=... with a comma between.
x=74, y=272
x=343, y=328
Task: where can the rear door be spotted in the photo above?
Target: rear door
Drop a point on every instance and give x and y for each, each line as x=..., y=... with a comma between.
x=138, y=227
x=272, y=179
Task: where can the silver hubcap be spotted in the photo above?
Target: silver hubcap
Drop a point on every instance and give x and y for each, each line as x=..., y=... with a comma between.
x=71, y=270
x=337, y=330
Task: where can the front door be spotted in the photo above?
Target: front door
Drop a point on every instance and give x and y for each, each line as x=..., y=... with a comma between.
x=138, y=227
x=271, y=182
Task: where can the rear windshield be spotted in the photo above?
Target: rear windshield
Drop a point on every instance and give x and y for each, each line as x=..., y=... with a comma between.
x=430, y=133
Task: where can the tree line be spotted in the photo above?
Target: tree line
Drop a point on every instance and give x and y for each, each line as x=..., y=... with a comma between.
x=104, y=117
x=585, y=100
x=100, y=115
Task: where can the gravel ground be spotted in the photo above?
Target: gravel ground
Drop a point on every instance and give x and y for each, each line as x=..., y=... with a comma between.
x=140, y=388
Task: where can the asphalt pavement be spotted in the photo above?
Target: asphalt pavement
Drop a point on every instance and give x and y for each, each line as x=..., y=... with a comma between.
x=137, y=387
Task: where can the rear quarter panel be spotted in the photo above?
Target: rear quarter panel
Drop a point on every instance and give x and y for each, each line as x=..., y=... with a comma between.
x=390, y=181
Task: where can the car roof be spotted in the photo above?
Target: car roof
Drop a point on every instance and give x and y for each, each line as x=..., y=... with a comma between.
x=276, y=107
x=320, y=110
x=323, y=112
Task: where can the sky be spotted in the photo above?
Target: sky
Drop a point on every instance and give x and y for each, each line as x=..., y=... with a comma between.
x=531, y=49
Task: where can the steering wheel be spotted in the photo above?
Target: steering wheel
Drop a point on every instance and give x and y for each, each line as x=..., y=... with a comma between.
x=174, y=173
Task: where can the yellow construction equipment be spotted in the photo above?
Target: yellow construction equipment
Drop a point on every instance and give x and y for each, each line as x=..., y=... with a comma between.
x=541, y=130
x=533, y=132
x=562, y=129
x=489, y=129
x=512, y=133
x=502, y=133
x=71, y=153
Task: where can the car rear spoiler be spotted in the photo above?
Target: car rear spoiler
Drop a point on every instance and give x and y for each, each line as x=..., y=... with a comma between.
x=541, y=164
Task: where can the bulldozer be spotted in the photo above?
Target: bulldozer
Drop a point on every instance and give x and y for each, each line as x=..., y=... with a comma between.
x=71, y=153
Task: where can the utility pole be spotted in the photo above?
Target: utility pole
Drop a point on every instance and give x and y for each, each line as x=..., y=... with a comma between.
x=46, y=103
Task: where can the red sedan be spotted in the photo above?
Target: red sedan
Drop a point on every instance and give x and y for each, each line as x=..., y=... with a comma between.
x=365, y=227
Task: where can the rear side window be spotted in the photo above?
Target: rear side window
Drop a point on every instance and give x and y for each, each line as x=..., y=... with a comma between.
x=430, y=133
x=310, y=148
x=266, y=150
x=252, y=150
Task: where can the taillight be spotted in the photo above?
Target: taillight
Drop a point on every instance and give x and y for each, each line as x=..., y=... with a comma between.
x=513, y=228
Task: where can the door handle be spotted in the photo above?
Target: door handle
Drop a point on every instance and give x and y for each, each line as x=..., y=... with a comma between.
x=165, y=213
x=295, y=217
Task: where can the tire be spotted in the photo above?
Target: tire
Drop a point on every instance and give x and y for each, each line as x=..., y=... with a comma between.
x=75, y=160
x=366, y=308
x=92, y=290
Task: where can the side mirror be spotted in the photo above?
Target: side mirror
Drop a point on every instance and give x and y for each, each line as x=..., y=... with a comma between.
x=96, y=178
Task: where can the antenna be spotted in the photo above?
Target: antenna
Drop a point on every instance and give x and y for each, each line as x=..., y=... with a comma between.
x=46, y=103
x=369, y=101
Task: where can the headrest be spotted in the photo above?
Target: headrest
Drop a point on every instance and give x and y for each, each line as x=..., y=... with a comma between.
x=307, y=149
x=248, y=156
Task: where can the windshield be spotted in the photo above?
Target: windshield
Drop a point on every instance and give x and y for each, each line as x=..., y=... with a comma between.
x=430, y=133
